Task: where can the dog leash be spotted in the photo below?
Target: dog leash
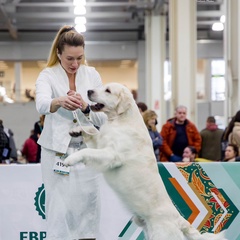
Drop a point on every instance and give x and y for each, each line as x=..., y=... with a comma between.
x=84, y=123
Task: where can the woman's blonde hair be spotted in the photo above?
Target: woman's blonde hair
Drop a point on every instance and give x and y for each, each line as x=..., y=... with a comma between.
x=147, y=115
x=67, y=35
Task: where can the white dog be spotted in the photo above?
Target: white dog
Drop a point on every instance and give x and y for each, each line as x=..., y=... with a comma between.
x=123, y=151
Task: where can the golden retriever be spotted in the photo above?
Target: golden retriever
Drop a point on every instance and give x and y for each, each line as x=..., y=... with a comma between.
x=122, y=150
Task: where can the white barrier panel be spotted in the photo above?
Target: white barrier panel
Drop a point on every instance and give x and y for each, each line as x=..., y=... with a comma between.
x=22, y=210
x=205, y=194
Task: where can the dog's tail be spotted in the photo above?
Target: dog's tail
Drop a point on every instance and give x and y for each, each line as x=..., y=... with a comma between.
x=192, y=233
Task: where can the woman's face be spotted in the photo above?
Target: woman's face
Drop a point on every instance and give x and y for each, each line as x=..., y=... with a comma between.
x=229, y=152
x=152, y=121
x=71, y=58
x=187, y=153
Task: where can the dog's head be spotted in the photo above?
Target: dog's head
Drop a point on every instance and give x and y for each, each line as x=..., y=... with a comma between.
x=113, y=99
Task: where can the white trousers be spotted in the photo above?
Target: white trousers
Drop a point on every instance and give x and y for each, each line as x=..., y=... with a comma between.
x=72, y=202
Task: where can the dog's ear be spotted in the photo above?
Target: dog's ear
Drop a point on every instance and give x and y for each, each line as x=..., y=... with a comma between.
x=125, y=101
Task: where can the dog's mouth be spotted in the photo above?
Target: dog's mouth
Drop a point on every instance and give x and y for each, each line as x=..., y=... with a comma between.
x=97, y=107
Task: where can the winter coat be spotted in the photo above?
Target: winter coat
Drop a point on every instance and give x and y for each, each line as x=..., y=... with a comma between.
x=234, y=136
x=168, y=134
x=157, y=142
x=211, y=143
x=29, y=150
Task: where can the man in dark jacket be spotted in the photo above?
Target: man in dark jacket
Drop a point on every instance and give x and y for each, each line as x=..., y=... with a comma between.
x=178, y=133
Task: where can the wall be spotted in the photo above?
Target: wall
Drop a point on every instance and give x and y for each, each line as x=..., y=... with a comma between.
x=20, y=118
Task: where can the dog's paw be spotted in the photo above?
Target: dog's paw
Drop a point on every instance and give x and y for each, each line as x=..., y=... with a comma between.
x=73, y=159
x=69, y=161
x=76, y=132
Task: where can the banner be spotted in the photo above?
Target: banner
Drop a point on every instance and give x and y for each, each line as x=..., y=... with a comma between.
x=206, y=194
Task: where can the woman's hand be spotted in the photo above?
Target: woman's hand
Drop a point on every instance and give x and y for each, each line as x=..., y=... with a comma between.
x=70, y=102
x=76, y=98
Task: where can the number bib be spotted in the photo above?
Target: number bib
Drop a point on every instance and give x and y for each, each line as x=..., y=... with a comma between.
x=59, y=167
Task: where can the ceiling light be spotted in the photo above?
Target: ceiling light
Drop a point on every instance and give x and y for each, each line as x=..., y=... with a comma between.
x=79, y=2
x=217, y=26
x=80, y=10
x=223, y=19
x=80, y=20
x=80, y=28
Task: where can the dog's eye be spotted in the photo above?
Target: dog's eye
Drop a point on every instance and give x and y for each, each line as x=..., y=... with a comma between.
x=108, y=90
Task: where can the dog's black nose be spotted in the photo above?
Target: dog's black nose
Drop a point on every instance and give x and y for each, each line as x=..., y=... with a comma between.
x=90, y=92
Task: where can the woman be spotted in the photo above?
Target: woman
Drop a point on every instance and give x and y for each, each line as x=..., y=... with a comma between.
x=150, y=120
x=189, y=154
x=232, y=132
x=72, y=208
x=231, y=153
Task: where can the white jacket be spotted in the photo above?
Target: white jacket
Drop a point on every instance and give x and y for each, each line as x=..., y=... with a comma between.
x=52, y=83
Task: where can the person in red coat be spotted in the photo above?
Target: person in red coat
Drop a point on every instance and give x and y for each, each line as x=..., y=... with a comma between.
x=30, y=148
x=178, y=133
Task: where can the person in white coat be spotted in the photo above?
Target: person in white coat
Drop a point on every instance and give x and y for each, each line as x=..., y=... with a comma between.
x=72, y=195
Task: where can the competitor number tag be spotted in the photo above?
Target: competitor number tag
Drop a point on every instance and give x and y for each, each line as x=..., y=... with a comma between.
x=59, y=167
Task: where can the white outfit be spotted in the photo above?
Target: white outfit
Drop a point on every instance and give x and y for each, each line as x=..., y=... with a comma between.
x=72, y=202
x=53, y=82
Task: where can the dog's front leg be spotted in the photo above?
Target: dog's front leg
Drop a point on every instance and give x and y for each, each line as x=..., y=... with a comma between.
x=100, y=159
x=76, y=131
x=89, y=133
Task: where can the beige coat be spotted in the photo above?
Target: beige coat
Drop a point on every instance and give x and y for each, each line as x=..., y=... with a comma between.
x=234, y=136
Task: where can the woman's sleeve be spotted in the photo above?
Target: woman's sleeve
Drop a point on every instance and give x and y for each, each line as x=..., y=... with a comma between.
x=157, y=141
x=236, y=136
x=43, y=93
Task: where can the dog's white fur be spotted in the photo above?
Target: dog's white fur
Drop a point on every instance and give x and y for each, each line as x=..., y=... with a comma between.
x=123, y=151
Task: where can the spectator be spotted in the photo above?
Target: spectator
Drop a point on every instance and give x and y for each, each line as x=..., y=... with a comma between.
x=11, y=143
x=29, y=150
x=211, y=140
x=38, y=127
x=178, y=133
x=189, y=154
x=232, y=153
x=150, y=119
x=232, y=133
x=3, y=142
x=224, y=140
x=142, y=107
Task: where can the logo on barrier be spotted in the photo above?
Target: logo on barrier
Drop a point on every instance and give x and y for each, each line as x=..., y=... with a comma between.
x=40, y=201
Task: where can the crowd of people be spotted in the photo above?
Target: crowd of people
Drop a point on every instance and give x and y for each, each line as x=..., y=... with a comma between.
x=180, y=141
x=30, y=151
